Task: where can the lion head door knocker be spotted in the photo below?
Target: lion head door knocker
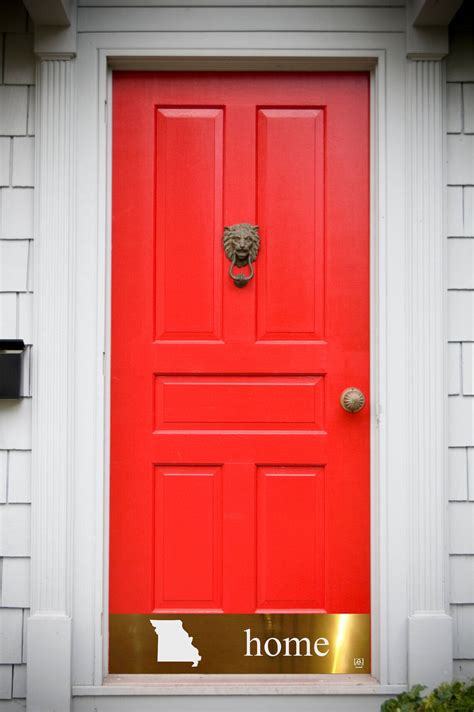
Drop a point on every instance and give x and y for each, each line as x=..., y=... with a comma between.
x=241, y=243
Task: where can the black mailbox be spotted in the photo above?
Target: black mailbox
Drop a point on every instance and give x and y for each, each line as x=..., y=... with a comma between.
x=11, y=367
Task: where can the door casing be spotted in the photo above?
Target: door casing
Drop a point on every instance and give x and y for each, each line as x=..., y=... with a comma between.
x=374, y=69
x=381, y=73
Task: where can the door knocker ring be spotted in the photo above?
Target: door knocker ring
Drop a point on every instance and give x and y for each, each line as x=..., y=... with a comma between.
x=241, y=245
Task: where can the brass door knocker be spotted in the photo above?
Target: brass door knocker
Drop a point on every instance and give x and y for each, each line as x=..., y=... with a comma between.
x=241, y=244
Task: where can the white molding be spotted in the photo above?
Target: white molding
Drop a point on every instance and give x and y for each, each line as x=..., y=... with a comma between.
x=389, y=511
x=242, y=3
x=217, y=703
x=347, y=685
x=427, y=42
x=433, y=12
x=55, y=40
x=429, y=627
x=49, y=12
x=55, y=43
x=49, y=627
x=229, y=17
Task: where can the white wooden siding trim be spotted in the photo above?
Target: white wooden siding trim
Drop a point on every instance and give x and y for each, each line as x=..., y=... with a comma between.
x=254, y=45
x=49, y=12
x=254, y=19
x=258, y=685
x=429, y=628
x=434, y=12
x=460, y=231
x=15, y=417
x=176, y=703
x=49, y=627
x=242, y=3
x=94, y=51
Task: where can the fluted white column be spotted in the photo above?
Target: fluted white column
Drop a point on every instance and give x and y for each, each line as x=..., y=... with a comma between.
x=49, y=628
x=429, y=627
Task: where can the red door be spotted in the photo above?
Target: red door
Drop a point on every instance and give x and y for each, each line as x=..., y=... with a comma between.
x=238, y=482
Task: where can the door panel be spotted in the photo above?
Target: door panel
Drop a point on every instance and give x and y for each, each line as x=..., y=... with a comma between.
x=188, y=537
x=238, y=483
x=290, y=211
x=250, y=402
x=181, y=259
x=290, y=538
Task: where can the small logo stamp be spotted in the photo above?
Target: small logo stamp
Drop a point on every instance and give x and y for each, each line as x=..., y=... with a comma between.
x=359, y=663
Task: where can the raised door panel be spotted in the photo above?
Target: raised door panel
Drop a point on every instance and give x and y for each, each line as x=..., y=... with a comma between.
x=290, y=192
x=239, y=402
x=189, y=204
x=188, y=538
x=290, y=538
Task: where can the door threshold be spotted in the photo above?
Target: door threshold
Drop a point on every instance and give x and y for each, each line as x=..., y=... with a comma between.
x=134, y=685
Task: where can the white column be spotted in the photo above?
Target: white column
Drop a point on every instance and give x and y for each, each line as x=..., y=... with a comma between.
x=429, y=626
x=49, y=627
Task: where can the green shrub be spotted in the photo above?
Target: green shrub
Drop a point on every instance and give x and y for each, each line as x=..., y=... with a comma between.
x=448, y=697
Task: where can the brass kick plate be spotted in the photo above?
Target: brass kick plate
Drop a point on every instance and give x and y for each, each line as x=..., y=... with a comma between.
x=239, y=643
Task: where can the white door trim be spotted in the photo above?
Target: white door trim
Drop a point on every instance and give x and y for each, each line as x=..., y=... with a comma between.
x=335, y=59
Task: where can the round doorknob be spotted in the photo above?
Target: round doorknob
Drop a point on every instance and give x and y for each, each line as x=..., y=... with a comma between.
x=352, y=400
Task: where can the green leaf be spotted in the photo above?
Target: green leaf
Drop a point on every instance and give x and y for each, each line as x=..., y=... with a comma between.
x=447, y=697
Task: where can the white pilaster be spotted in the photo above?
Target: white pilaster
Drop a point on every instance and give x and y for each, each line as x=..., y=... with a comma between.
x=49, y=628
x=429, y=627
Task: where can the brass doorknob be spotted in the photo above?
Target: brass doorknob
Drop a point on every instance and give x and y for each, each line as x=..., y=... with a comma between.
x=352, y=400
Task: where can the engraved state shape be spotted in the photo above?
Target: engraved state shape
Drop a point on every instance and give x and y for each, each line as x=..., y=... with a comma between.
x=174, y=643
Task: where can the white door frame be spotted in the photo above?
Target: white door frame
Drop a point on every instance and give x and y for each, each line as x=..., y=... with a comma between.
x=408, y=607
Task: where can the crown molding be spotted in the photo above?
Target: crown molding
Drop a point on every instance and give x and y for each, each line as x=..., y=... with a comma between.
x=54, y=41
